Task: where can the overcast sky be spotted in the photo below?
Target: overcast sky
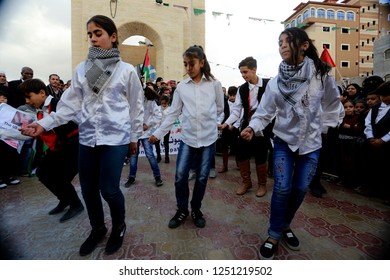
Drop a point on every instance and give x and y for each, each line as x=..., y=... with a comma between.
x=37, y=33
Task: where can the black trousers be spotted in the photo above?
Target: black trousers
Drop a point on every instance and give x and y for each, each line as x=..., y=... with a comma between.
x=57, y=169
x=258, y=148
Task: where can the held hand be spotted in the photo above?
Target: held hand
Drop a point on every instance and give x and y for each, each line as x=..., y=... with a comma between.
x=32, y=130
x=247, y=134
x=133, y=148
x=153, y=139
x=222, y=126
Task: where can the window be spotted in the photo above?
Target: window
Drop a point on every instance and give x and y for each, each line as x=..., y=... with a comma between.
x=363, y=10
x=312, y=12
x=306, y=14
x=362, y=60
x=368, y=8
x=345, y=47
x=325, y=29
x=362, y=27
x=299, y=19
x=373, y=22
x=330, y=14
x=293, y=23
x=388, y=17
x=387, y=54
x=373, y=39
x=340, y=15
x=350, y=16
x=362, y=44
x=368, y=58
x=326, y=45
x=345, y=64
x=345, y=30
x=321, y=13
x=368, y=41
x=368, y=24
x=374, y=6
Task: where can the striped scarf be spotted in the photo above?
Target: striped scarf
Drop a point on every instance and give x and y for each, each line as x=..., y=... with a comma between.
x=291, y=79
x=99, y=67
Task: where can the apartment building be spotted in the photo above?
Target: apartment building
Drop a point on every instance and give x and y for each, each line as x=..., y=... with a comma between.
x=348, y=29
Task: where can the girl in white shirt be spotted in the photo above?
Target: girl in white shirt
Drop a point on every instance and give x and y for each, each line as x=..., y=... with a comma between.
x=107, y=97
x=304, y=100
x=199, y=100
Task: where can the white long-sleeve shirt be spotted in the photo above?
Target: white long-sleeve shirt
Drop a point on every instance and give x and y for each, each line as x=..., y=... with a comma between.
x=152, y=117
x=237, y=111
x=383, y=109
x=199, y=105
x=113, y=117
x=299, y=126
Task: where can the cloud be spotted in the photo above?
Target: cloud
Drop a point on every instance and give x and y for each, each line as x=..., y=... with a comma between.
x=37, y=34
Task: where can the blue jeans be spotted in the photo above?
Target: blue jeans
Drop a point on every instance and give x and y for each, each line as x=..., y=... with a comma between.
x=148, y=148
x=185, y=158
x=292, y=176
x=100, y=170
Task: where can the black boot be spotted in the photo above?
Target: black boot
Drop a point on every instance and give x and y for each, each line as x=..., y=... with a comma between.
x=116, y=239
x=92, y=241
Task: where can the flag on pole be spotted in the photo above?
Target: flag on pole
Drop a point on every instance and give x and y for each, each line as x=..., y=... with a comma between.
x=325, y=57
x=146, y=66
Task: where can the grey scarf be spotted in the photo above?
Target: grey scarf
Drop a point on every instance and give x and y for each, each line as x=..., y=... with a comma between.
x=291, y=79
x=99, y=67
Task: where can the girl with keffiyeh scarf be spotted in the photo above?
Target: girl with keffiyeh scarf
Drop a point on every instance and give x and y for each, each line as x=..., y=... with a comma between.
x=106, y=96
x=304, y=100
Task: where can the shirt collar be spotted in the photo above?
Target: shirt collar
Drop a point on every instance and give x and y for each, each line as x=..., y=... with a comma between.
x=259, y=84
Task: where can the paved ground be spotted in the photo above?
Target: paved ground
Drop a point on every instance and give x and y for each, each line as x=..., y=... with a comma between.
x=340, y=226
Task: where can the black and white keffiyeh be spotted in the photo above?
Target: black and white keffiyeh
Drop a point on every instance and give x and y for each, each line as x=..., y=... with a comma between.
x=291, y=79
x=99, y=67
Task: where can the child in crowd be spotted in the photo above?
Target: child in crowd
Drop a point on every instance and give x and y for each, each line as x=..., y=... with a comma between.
x=199, y=100
x=165, y=108
x=152, y=118
x=304, y=100
x=349, y=134
x=230, y=135
x=106, y=95
x=377, y=132
x=59, y=163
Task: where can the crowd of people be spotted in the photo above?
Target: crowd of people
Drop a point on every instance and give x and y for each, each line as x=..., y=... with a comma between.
x=297, y=126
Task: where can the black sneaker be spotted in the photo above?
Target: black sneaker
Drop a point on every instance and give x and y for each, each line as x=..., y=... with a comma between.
x=178, y=219
x=92, y=241
x=197, y=217
x=159, y=182
x=129, y=182
x=291, y=240
x=116, y=239
x=59, y=208
x=72, y=212
x=267, y=250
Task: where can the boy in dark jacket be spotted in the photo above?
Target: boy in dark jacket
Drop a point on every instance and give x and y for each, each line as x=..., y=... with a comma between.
x=59, y=163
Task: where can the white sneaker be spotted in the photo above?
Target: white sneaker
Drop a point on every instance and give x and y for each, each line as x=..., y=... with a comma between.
x=3, y=185
x=13, y=181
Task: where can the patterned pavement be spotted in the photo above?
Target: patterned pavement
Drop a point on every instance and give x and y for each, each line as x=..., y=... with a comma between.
x=340, y=226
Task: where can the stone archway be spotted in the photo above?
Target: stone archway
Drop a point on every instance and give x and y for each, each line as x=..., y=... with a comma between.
x=172, y=29
x=135, y=54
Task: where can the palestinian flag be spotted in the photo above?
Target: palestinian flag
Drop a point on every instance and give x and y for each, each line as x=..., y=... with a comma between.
x=146, y=66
